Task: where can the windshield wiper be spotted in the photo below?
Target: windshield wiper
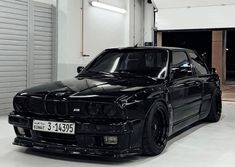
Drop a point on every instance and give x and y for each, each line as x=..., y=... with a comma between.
x=119, y=73
x=98, y=72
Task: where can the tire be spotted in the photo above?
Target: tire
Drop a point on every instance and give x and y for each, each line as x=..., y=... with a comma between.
x=155, y=130
x=216, y=107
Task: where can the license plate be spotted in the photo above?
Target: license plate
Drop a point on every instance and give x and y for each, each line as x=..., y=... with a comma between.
x=54, y=127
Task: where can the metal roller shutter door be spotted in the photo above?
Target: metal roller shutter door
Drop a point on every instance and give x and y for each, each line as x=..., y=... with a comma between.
x=26, y=47
x=13, y=50
x=43, y=43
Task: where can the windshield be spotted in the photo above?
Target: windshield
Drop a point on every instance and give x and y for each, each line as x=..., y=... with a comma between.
x=140, y=62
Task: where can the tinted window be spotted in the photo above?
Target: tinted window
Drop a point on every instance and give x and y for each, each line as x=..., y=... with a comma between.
x=151, y=62
x=180, y=59
x=198, y=64
x=180, y=65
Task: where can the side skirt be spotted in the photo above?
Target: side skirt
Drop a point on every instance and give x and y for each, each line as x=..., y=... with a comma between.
x=183, y=124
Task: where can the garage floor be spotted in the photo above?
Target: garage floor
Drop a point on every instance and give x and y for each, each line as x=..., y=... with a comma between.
x=204, y=145
x=228, y=93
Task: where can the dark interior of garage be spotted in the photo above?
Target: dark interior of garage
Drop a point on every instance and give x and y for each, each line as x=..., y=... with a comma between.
x=230, y=56
x=196, y=40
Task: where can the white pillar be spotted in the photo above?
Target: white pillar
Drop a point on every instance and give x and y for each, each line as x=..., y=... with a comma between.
x=148, y=22
x=136, y=22
x=159, y=38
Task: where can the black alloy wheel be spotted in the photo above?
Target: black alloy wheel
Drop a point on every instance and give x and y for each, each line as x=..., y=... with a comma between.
x=216, y=107
x=155, y=130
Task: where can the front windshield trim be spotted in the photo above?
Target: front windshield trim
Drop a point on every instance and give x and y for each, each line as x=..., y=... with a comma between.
x=88, y=69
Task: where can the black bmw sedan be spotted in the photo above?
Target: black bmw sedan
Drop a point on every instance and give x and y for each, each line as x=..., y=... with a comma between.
x=127, y=101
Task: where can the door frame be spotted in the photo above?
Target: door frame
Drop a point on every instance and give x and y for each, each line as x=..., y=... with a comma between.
x=226, y=82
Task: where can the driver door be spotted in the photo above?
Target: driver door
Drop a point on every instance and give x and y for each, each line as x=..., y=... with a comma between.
x=183, y=89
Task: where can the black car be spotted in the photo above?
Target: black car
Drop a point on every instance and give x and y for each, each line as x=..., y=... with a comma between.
x=127, y=101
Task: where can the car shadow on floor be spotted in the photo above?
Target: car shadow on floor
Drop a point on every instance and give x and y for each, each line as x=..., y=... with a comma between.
x=110, y=161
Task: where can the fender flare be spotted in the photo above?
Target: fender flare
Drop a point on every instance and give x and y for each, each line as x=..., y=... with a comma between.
x=168, y=114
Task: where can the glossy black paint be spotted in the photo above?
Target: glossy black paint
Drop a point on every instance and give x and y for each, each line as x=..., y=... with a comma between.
x=188, y=100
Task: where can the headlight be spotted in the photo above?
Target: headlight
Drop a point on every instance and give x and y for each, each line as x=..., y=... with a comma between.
x=19, y=103
x=109, y=110
x=98, y=110
x=95, y=109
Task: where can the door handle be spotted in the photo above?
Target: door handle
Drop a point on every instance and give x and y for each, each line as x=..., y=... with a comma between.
x=190, y=83
x=193, y=83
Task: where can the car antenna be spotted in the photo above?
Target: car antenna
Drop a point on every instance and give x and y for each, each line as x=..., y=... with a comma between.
x=136, y=45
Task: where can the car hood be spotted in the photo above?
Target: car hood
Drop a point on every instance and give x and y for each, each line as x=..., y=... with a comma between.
x=92, y=87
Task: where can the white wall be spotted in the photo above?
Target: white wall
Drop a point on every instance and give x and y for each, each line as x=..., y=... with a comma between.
x=69, y=46
x=102, y=29
x=53, y=2
x=191, y=14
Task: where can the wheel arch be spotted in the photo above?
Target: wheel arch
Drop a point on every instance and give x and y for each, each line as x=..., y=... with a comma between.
x=213, y=113
x=147, y=144
x=167, y=113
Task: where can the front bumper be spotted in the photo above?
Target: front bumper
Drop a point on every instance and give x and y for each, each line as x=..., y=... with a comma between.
x=88, y=138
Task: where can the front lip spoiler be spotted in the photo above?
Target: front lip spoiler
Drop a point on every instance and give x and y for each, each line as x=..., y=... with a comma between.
x=127, y=131
x=74, y=150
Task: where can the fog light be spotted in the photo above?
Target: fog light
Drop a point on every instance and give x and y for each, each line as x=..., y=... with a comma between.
x=21, y=131
x=111, y=140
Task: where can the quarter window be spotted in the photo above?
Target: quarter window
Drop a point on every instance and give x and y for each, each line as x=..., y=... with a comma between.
x=181, y=67
x=199, y=65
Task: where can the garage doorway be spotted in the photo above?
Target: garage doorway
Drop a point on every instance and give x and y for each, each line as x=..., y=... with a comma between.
x=201, y=41
x=230, y=56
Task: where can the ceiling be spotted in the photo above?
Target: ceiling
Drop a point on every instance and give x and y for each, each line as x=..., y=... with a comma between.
x=185, y=3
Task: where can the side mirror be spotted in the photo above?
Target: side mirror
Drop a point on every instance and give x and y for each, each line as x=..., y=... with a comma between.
x=79, y=69
x=213, y=70
x=173, y=72
x=180, y=72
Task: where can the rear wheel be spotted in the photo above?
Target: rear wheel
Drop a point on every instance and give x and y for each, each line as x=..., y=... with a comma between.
x=216, y=108
x=155, y=131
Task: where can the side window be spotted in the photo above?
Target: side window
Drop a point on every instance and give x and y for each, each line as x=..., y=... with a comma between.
x=199, y=65
x=181, y=67
x=156, y=62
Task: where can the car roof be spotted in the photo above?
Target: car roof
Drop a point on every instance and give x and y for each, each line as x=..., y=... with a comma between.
x=150, y=48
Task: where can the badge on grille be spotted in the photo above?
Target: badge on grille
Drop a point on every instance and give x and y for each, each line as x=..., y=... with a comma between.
x=60, y=94
x=76, y=110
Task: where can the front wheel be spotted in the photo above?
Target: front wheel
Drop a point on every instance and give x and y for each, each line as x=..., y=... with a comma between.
x=216, y=107
x=155, y=130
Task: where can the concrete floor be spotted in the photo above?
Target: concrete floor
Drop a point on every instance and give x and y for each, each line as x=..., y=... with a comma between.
x=228, y=93
x=211, y=145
